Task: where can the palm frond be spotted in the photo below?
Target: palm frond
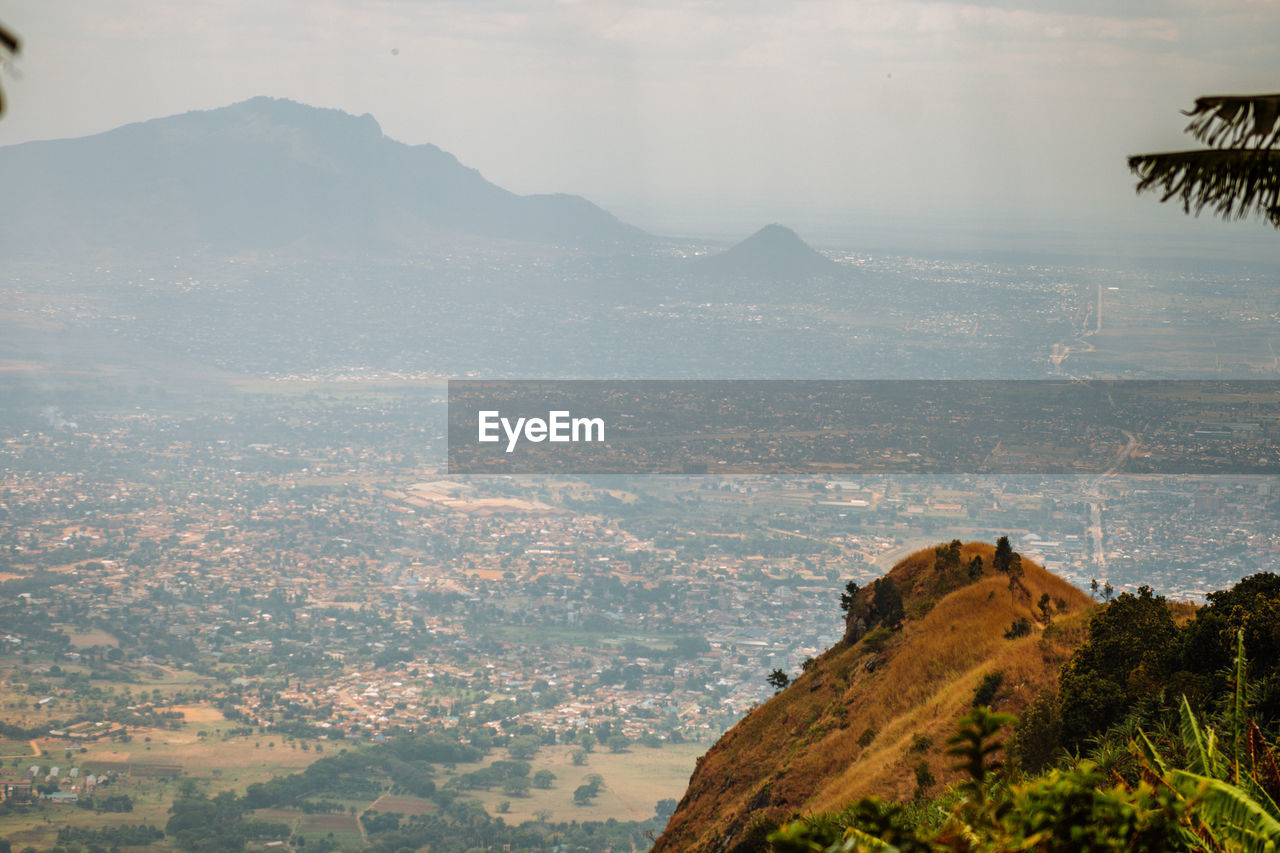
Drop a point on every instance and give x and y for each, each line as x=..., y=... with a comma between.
x=1239, y=708
x=1231, y=182
x=9, y=44
x=1235, y=818
x=1201, y=744
x=1259, y=795
x=857, y=841
x=1262, y=761
x=1236, y=121
x=1148, y=751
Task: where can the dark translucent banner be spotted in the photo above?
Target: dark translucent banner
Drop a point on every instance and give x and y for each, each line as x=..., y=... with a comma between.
x=889, y=426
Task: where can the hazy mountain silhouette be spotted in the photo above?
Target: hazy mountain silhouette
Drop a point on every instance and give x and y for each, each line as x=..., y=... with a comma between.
x=269, y=173
x=775, y=253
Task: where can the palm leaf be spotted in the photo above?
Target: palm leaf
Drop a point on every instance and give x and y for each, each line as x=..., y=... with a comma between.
x=9, y=42
x=1201, y=744
x=856, y=841
x=1238, y=709
x=1260, y=796
x=1150, y=753
x=1262, y=761
x=1236, y=121
x=1236, y=819
x=1230, y=182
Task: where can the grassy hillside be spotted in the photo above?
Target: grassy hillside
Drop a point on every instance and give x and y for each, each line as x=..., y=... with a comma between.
x=865, y=715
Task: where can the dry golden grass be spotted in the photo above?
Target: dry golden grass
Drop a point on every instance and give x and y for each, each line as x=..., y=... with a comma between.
x=234, y=763
x=634, y=781
x=800, y=752
x=199, y=713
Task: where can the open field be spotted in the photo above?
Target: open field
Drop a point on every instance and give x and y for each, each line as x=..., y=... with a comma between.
x=199, y=713
x=403, y=805
x=93, y=637
x=10, y=748
x=150, y=772
x=39, y=829
x=344, y=828
x=235, y=763
x=460, y=498
x=634, y=781
x=16, y=703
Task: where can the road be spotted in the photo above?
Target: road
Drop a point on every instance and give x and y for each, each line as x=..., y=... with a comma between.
x=1094, y=493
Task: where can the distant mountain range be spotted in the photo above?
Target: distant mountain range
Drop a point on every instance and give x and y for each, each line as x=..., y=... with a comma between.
x=269, y=174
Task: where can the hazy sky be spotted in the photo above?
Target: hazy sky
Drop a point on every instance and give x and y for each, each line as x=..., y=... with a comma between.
x=696, y=117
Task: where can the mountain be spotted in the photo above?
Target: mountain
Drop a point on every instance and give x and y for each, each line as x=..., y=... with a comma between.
x=775, y=253
x=268, y=174
x=864, y=715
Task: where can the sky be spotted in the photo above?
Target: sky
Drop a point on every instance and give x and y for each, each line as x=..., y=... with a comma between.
x=1007, y=119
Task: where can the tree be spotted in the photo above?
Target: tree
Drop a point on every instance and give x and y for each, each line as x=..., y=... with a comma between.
x=1046, y=608
x=585, y=793
x=1237, y=174
x=987, y=690
x=543, y=779
x=778, y=680
x=1015, y=575
x=848, y=597
x=1131, y=648
x=1036, y=740
x=886, y=604
x=946, y=558
x=523, y=748
x=924, y=780
x=1235, y=800
x=1021, y=627
x=516, y=786
x=1004, y=555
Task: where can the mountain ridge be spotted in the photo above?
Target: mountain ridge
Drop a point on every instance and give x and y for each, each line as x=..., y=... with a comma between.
x=775, y=253
x=270, y=173
x=863, y=715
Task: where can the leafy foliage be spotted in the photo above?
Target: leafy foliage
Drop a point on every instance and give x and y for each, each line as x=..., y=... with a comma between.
x=1128, y=655
x=1160, y=775
x=1080, y=808
x=1238, y=174
x=987, y=690
x=1020, y=627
